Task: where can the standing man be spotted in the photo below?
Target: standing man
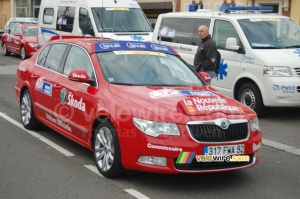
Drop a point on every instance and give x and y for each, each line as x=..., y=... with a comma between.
x=207, y=53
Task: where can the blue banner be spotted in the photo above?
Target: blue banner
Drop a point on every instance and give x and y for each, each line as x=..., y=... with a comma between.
x=133, y=45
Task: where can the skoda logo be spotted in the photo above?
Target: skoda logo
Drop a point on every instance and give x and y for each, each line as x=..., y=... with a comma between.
x=63, y=96
x=224, y=124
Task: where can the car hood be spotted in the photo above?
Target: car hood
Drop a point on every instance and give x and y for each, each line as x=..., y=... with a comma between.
x=276, y=57
x=176, y=101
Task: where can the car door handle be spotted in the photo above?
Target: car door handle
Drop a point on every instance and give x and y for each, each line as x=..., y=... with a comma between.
x=57, y=86
x=34, y=76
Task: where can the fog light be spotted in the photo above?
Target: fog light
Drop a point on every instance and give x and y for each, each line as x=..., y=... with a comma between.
x=153, y=160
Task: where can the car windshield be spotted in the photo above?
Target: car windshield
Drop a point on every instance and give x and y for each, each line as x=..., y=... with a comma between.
x=146, y=68
x=271, y=33
x=30, y=31
x=120, y=20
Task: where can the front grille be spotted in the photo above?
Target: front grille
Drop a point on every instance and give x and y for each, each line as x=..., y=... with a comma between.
x=213, y=133
x=297, y=71
x=202, y=166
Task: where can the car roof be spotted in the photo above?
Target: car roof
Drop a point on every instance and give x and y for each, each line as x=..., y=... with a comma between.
x=220, y=15
x=96, y=45
x=24, y=19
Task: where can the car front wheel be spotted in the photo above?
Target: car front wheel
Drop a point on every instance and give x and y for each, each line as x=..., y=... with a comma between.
x=250, y=96
x=23, y=53
x=27, y=113
x=4, y=49
x=107, y=151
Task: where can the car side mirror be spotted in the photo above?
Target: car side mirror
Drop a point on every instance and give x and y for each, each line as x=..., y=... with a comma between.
x=17, y=34
x=231, y=44
x=80, y=75
x=205, y=76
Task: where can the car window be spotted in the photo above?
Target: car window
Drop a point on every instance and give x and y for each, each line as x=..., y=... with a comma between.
x=78, y=59
x=65, y=18
x=54, y=57
x=42, y=57
x=182, y=30
x=222, y=31
x=18, y=30
x=12, y=30
x=30, y=31
x=146, y=68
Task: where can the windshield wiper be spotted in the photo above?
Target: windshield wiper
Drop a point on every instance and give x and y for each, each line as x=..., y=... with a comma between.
x=266, y=47
x=126, y=84
x=295, y=46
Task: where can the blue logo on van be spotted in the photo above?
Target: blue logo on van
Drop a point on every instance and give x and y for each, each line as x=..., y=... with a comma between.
x=222, y=70
x=137, y=38
x=297, y=51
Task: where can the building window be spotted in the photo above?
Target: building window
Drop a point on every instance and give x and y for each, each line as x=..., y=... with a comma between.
x=22, y=8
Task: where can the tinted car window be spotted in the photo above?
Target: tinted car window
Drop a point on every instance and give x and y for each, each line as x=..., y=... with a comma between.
x=222, y=31
x=65, y=18
x=43, y=55
x=78, y=59
x=183, y=30
x=54, y=57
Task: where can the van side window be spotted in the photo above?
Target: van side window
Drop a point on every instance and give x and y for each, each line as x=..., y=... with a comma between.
x=85, y=23
x=222, y=31
x=55, y=56
x=169, y=26
x=182, y=30
x=65, y=18
x=48, y=16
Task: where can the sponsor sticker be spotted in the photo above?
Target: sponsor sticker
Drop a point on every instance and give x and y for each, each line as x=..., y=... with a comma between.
x=291, y=89
x=43, y=86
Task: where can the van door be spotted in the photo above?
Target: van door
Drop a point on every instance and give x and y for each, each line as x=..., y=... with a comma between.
x=230, y=60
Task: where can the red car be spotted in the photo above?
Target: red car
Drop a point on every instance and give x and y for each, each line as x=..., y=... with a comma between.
x=21, y=39
x=136, y=106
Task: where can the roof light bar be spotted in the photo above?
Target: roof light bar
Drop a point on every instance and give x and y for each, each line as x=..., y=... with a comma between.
x=246, y=8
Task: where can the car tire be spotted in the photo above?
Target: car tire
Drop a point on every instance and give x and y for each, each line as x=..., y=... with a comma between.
x=4, y=49
x=28, y=118
x=249, y=95
x=23, y=53
x=106, y=149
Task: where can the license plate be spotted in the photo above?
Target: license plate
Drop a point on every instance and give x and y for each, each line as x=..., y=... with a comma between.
x=224, y=150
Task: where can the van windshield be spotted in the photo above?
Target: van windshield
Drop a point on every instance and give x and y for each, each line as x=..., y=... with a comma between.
x=120, y=20
x=271, y=33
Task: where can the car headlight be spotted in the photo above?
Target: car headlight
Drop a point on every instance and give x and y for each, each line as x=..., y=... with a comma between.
x=277, y=71
x=33, y=45
x=254, y=124
x=154, y=128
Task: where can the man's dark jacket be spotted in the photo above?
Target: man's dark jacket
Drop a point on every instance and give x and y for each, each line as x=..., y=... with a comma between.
x=206, y=55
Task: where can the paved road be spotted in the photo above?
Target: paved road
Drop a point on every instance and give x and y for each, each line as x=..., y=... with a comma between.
x=44, y=164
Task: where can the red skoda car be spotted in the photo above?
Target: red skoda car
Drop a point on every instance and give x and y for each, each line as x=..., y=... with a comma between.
x=21, y=39
x=136, y=106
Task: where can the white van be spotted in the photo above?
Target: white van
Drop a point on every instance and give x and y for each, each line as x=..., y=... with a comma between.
x=116, y=19
x=260, y=64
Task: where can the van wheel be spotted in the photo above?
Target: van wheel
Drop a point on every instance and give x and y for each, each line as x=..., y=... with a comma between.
x=4, y=49
x=250, y=96
x=106, y=150
x=27, y=113
x=23, y=53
